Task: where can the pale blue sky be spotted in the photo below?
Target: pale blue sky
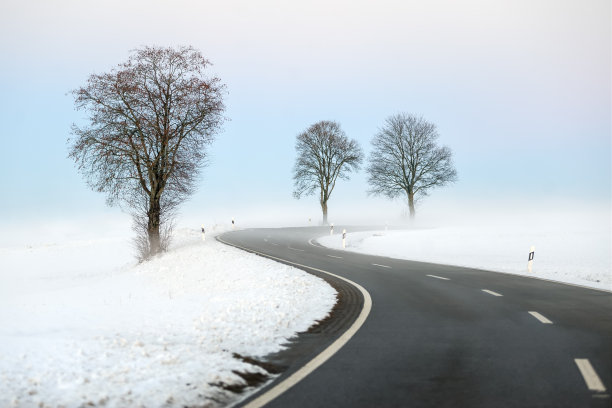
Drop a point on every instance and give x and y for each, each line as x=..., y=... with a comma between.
x=520, y=91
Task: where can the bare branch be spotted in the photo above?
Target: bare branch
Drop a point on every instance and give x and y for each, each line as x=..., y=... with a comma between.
x=324, y=154
x=406, y=159
x=150, y=121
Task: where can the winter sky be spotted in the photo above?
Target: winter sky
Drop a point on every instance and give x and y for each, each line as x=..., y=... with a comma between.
x=520, y=91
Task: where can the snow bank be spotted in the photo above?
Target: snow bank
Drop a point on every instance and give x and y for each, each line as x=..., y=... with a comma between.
x=81, y=324
x=576, y=254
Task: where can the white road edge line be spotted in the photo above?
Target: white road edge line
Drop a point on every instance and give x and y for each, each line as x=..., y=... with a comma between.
x=490, y=292
x=540, y=317
x=296, y=249
x=326, y=354
x=591, y=378
x=382, y=266
x=313, y=244
x=438, y=277
x=510, y=274
x=334, y=256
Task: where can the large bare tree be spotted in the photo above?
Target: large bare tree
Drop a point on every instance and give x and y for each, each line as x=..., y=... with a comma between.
x=407, y=160
x=324, y=154
x=150, y=120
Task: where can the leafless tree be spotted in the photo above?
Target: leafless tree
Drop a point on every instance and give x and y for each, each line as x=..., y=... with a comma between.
x=406, y=159
x=150, y=120
x=324, y=154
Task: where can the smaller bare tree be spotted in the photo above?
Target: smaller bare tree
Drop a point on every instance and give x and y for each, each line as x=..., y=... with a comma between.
x=324, y=154
x=406, y=159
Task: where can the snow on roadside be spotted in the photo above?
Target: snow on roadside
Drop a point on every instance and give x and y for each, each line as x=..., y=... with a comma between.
x=80, y=324
x=575, y=255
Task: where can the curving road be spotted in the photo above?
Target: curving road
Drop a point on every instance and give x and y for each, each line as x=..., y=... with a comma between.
x=441, y=336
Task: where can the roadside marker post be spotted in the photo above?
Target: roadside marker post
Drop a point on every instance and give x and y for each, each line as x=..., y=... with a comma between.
x=233, y=224
x=331, y=231
x=203, y=233
x=530, y=260
x=343, y=239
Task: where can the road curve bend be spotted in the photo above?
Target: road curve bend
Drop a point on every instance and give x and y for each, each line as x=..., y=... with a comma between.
x=440, y=335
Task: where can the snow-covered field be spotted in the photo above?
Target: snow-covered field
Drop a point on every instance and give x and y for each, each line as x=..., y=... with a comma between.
x=82, y=325
x=577, y=253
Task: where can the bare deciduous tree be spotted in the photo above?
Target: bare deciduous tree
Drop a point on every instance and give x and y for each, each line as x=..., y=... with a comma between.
x=406, y=159
x=324, y=154
x=149, y=122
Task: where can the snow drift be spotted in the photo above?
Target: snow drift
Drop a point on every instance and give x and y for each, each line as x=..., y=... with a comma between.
x=80, y=324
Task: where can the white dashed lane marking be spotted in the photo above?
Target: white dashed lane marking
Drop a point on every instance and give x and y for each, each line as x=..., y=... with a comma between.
x=591, y=378
x=382, y=266
x=540, y=317
x=296, y=249
x=334, y=256
x=490, y=292
x=438, y=277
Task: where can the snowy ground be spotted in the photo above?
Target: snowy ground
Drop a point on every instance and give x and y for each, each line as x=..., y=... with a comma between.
x=81, y=324
x=578, y=253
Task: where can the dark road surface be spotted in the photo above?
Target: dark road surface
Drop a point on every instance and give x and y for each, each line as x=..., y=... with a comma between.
x=444, y=336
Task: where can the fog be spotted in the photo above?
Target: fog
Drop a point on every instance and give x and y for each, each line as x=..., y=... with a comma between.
x=442, y=211
x=573, y=238
x=431, y=212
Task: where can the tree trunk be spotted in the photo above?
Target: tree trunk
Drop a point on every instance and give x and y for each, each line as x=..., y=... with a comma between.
x=411, y=205
x=324, y=208
x=153, y=227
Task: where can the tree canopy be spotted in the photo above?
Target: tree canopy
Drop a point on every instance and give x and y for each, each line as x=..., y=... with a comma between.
x=150, y=121
x=407, y=160
x=324, y=154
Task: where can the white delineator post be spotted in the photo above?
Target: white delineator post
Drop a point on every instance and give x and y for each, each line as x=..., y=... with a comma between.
x=331, y=230
x=233, y=223
x=343, y=239
x=530, y=260
x=203, y=233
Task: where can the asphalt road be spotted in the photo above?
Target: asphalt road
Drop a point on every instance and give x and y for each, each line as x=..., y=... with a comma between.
x=443, y=336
